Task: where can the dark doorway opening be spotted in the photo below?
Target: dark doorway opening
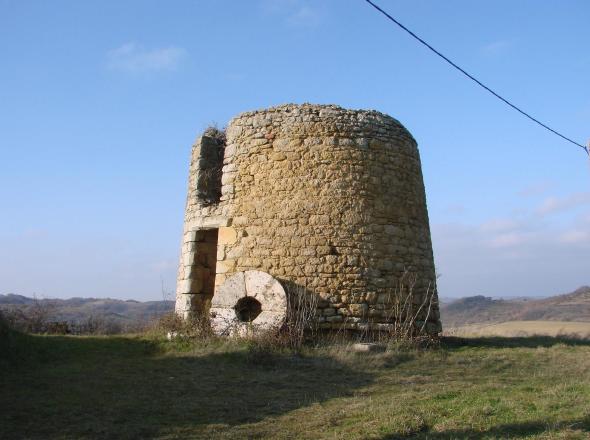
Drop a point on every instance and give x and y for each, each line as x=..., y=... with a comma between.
x=207, y=261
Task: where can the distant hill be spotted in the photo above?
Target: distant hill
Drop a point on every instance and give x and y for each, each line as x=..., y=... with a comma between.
x=574, y=306
x=75, y=310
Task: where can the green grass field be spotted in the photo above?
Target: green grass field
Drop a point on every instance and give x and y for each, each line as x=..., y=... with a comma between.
x=59, y=387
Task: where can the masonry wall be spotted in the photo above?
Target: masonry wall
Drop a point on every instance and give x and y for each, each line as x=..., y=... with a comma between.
x=324, y=199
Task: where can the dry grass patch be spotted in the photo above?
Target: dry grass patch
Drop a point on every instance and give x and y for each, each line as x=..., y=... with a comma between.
x=526, y=328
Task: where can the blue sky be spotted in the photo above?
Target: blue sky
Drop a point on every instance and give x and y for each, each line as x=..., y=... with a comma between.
x=100, y=102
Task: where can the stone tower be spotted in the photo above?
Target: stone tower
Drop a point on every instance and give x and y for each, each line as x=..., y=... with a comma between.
x=321, y=198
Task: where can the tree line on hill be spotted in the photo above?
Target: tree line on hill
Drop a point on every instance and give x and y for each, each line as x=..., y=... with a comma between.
x=113, y=316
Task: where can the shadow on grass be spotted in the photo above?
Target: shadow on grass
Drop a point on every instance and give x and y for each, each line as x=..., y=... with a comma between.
x=117, y=387
x=452, y=342
x=509, y=430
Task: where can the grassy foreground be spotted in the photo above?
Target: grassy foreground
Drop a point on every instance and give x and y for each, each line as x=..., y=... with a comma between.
x=59, y=387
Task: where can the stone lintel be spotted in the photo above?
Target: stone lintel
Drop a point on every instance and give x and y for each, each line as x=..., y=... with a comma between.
x=207, y=223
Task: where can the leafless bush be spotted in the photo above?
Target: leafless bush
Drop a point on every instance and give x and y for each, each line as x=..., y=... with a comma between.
x=408, y=319
x=170, y=322
x=97, y=325
x=173, y=327
x=7, y=336
x=209, y=188
x=4, y=325
x=58, y=328
x=301, y=322
x=216, y=133
x=32, y=318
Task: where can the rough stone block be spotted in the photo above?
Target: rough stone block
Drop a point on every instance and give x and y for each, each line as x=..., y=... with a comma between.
x=227, y=236
x=225, y=266
x=189, y=286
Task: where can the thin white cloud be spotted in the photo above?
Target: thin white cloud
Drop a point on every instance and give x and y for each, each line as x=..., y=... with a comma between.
x=455, y=208
x=536, y=189
x=579, y=232
x=278, y=6
x=575, y=236
x=540, y=261
x=496, y=47
x=295, y=13
x=304, y=17
x=524, y=253
x=509, y=239
x=552, y=205
x=504, y=233
x=502, y=225
x=133, y=58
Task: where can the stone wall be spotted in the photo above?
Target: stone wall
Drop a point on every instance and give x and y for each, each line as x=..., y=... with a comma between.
x=325, y=199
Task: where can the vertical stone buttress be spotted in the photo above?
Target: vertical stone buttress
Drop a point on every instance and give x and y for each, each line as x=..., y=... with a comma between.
x=203, y=218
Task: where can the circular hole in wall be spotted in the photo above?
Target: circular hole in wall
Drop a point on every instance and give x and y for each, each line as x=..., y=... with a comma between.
x=247, y=309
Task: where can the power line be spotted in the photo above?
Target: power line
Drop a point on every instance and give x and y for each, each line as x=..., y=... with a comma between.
x=471, y=77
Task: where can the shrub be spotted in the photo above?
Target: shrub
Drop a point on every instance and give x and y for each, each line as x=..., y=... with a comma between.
x=410, y=318
x=173, y=326
x=301, y=323
x=33, y=318
x=97, y=325
x=4, y=327
x=263, y=348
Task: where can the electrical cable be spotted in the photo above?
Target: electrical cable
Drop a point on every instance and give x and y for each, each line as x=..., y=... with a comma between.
x=471, y=77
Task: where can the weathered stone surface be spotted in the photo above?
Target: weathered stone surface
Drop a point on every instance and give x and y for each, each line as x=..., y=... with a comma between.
x=228, y=293
x=326, y=199
x=227, y=235
x=266, y=292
